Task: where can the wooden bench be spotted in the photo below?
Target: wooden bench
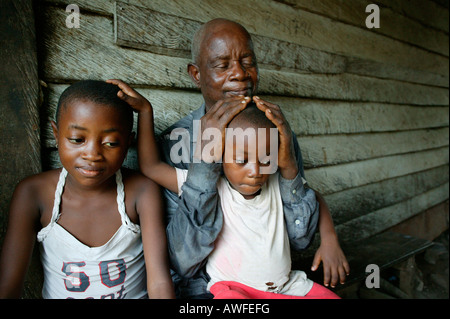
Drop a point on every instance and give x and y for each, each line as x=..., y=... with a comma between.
x=392, y=252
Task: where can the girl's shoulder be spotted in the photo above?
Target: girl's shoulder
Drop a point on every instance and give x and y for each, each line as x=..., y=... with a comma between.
x=40, y=183
x=33, y=196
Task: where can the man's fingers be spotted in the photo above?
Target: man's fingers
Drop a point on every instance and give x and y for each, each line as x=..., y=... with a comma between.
x=273, y=112
x=225, y=110
x=232, y=109
x=232, y=106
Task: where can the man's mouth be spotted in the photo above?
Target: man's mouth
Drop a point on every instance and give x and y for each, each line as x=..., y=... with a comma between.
x=240, y=91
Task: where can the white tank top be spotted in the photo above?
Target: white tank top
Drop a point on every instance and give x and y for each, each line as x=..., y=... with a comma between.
x=115, y=270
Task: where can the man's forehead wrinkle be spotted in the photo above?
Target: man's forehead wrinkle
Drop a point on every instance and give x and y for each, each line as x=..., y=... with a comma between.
x=217, y=52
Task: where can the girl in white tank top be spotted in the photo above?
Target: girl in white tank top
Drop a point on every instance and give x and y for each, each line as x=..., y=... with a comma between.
x=115, y=270
x=93, y=132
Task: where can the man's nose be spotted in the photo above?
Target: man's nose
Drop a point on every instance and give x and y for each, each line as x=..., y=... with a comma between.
x=238, y=71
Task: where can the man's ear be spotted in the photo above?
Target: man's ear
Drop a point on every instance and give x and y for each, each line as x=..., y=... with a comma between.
x=194, y=73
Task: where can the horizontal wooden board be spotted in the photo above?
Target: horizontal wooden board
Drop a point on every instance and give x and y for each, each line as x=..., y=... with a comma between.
x=356, y=202
x=334, y=149
x=393, y=71
x=427, y=12
x=392, y=24
x=153, y=31
x=331, y=179
x=350, y=87
x=90, y=52
x=278, y=21
x=311, y=117
x=384, y=218
x=161, y=33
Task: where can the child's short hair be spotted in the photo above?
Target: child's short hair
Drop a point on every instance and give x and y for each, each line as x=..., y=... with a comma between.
x=254, y=116
x=98, y=92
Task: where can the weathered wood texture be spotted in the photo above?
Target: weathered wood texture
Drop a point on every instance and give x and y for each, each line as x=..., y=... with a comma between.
x=370, y=107
x=20, y=153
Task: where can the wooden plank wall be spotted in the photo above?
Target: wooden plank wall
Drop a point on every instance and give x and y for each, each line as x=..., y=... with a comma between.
x=370, y=107
x=20, y=153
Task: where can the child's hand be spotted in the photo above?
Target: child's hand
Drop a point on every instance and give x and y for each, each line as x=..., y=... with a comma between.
x=139, y=103
x=335, y=265
x=287, y=162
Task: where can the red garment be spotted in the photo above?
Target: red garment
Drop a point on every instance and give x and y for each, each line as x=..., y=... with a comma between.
x=236, y=290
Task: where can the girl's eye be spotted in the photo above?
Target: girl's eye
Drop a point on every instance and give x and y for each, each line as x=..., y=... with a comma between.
x=112, y=144
x=75, y=140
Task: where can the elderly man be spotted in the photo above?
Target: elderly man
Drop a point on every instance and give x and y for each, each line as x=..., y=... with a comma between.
x=225, y=69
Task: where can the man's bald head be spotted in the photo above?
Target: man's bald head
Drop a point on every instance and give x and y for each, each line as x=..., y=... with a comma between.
x=209, y=29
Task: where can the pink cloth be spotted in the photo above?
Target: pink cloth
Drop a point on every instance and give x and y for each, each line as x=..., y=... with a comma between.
x=236, y=290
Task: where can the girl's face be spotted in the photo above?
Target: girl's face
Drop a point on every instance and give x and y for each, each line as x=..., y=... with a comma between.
x=93, y=141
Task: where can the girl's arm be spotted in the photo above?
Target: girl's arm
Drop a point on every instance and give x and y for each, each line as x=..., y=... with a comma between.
x=150, y=162
x=17, y=249
x=150, y=209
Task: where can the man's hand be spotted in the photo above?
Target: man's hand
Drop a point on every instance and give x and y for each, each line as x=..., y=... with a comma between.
x=218, y=118
x=287, y=162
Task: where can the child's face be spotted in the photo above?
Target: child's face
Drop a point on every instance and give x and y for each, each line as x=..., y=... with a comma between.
x=93, y=141
x=242, y=164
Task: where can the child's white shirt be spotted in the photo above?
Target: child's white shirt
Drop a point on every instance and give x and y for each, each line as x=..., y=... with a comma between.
x=253, y=246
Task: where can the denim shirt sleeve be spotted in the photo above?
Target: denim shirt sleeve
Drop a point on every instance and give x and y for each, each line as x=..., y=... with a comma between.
x=301, y=211
x=197, y=221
